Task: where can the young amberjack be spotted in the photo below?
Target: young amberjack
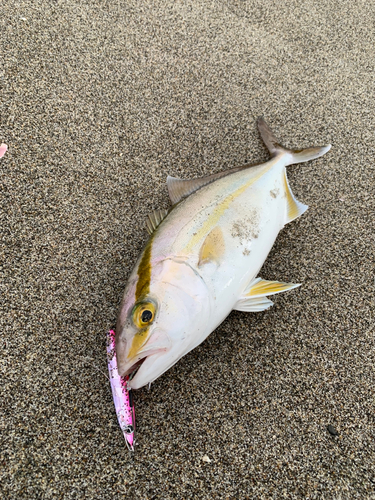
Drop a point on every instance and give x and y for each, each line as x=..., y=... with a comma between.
x=202, y=259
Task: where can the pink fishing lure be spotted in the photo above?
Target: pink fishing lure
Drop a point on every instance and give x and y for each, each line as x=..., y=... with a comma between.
x=122, y=396
x=3, y=149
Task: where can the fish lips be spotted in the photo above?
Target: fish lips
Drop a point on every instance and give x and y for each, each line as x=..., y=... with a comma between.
x=159, y=342
x=152, y=367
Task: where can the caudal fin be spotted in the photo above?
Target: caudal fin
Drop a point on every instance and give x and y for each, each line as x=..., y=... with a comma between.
x=294, y=156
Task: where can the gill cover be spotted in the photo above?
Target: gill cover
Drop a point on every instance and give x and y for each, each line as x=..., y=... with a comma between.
x=163, y=325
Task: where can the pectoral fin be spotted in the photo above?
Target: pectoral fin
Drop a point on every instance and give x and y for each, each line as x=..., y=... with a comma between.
x=254, y=297
x=213, y=247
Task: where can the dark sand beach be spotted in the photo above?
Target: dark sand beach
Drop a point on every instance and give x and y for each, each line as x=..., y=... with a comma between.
x=99, y=102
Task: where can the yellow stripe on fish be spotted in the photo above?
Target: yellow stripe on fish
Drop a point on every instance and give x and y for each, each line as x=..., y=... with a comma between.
x=214, y=218
x=142, y=290
x=144, y=272
x=139, y=339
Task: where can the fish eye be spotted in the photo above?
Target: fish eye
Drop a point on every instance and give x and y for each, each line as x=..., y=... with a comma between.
x=146, y=316
x=143, y=314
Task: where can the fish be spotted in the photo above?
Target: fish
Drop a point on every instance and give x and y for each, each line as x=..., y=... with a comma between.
x=122, y=395
x=3, y=149
x=203, y=257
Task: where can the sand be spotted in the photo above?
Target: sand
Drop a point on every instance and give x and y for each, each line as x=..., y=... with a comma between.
x=99, y=102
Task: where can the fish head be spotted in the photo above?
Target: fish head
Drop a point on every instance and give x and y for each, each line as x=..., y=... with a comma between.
x=157, y=327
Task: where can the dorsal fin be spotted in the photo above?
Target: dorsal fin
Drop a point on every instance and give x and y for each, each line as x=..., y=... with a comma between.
x=155, y=218
x=181, y=188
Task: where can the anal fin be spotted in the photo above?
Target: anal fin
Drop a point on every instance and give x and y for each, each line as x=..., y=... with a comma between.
x=254, y=297
x=294, y=208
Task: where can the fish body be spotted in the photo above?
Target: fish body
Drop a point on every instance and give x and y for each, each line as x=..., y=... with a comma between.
x=202, y=259
x=122, y=396
x=3, y=149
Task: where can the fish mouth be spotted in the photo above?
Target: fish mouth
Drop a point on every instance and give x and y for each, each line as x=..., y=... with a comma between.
x=144, y=372
x=132, y=368
x=158, y=343
x=131, y=371
x=152, y=367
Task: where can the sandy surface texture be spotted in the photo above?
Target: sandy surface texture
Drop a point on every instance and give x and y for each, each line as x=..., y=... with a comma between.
x=99, y=102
